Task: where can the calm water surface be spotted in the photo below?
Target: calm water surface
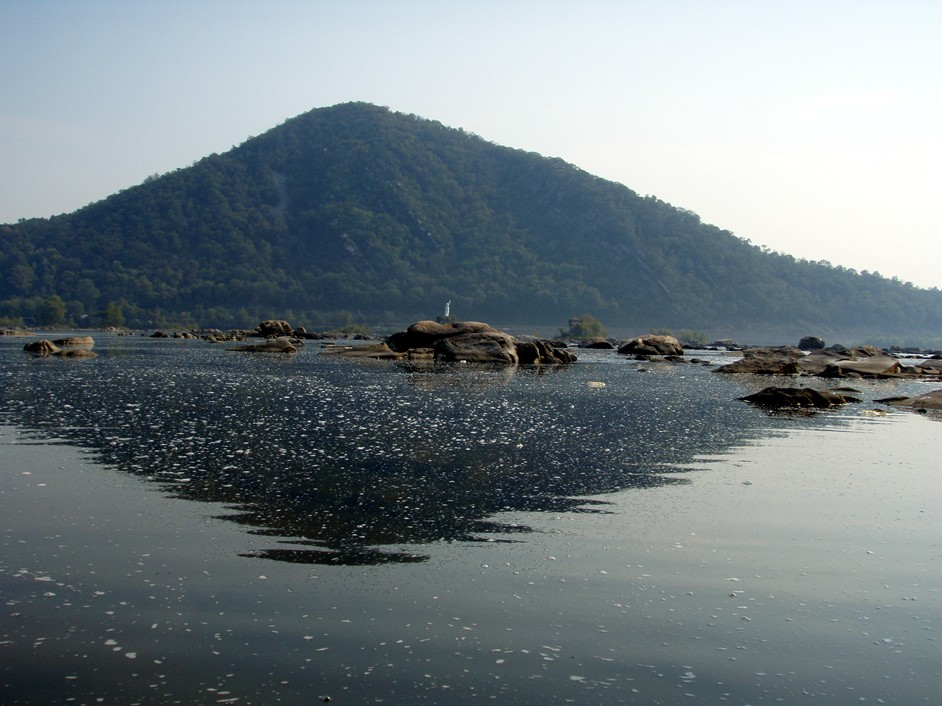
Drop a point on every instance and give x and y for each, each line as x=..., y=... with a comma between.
x=183, y=524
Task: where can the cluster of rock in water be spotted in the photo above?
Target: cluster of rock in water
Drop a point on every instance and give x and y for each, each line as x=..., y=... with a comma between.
x=71, y=347
x=460, y=342
x=476, y=342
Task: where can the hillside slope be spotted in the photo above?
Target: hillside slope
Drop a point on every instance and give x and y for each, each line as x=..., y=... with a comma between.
x=357, y=213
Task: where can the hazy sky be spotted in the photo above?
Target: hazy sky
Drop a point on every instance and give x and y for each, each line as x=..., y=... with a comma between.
x=811, y=127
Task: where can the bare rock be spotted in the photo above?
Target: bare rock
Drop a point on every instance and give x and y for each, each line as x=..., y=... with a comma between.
x=75, y=353
x=651, y=344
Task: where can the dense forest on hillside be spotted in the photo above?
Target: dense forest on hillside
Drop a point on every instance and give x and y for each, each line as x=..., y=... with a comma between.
x=358, y=214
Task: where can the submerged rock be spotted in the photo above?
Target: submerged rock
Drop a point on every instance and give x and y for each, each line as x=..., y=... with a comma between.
x=798, y=397
x=76, y=353
x=272, y=345
x=378, y=351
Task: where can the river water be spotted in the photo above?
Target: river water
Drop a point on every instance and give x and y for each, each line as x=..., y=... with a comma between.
x=185, y=524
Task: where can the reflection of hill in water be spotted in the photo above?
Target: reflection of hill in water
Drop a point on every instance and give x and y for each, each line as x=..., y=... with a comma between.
x=353, y=464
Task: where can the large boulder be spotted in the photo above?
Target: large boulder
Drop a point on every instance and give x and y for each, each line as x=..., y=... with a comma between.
x=811, y=343
x=273, y=328
x=540, y=352
x=777, y=397
x=477, y=347
x=651, y=344
x=43, y=347
x=425, y=334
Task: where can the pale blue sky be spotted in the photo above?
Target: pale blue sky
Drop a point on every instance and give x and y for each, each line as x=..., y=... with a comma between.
x=811, y=127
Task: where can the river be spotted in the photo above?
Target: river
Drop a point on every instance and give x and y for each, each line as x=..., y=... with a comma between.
x=186, y=524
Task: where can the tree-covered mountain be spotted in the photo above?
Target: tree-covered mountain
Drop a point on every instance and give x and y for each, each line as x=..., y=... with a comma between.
x=357, y=213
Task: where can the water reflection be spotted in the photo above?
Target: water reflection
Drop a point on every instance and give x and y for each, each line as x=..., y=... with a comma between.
x=343, y=463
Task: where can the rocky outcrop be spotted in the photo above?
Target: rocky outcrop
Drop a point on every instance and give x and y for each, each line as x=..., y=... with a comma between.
x=651, y=345
x=218, y=336
x=778, y=397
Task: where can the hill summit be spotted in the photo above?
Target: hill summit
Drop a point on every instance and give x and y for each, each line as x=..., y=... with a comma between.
x=357, y=213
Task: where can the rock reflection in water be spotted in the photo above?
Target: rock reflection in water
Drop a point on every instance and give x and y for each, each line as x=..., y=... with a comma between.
x=344, y=463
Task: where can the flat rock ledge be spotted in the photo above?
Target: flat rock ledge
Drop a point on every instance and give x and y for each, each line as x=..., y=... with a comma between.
x=272, y=345
x=928, y=401
x=862, y=362
x=458, y=342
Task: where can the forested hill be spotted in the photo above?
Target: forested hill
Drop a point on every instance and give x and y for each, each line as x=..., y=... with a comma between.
x=357, y=213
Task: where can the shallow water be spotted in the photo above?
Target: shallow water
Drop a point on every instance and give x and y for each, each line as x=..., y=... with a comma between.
x=371, y=532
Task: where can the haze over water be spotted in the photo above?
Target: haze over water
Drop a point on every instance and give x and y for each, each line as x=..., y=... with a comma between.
x=379, y=533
